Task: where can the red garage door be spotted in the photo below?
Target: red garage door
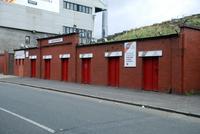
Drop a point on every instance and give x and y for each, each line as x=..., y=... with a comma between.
x=86, y=70
x=113, y=71
x=33, y=67
x=21, y=67
x=47, y=68
x=64, y=69
x=150, y=74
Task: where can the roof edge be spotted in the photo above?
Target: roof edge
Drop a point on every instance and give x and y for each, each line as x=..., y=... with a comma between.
x=57, y=36
x=190, y=27
x=130, y=40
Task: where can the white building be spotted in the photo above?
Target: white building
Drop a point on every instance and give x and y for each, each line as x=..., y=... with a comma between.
x=22, y=21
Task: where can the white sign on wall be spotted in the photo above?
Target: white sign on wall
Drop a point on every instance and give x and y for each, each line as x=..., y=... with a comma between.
x=87, y=55
x=32, y=57
x=57, y=40
x=20, y=54
x=113, y=54
x=49, y=5
x=46, y=57
x=130, y=54
x=156, y=53
x=64, y=56
x=27, y=54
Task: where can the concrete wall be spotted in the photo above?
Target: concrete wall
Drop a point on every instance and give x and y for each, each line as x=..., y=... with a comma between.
x=18, y=21
x=13, y=38
x=23, y=17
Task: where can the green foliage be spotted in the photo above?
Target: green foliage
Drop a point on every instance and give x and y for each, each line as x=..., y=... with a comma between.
x=161, y=29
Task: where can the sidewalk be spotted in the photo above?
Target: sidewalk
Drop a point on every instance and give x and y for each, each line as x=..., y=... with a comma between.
x=188, y=105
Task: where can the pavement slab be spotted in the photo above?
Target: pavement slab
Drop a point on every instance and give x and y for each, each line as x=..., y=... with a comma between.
x=182, y=104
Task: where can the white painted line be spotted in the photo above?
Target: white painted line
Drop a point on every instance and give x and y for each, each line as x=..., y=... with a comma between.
x=28, y=120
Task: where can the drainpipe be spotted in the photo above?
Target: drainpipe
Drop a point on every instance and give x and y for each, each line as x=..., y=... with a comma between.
x=182, y=60
x=104, y=23
x=40, y=58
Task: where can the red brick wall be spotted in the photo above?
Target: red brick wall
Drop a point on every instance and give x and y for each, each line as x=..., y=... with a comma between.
x=4, y=63
x=27, y=63
x=1, y=63
x=98, y=62
x=130, y=77
x=191, y=60
x=179, y=67
x=67, y=46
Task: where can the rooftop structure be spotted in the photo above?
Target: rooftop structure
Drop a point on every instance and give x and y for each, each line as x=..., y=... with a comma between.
x=23, y=21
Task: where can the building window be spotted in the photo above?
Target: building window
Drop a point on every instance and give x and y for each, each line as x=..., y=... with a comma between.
x=87, y=10
x=83, y=32
x=77, y=7
x=71, y=6
x=27, y=39
x=90, y=10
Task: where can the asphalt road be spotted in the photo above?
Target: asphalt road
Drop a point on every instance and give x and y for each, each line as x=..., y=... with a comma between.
x=25, y=110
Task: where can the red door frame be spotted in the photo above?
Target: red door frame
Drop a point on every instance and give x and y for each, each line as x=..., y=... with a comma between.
x=64, y=69
x=33, y=67
x=86, y=63
x=150, y=73
x=113, y=71
x=47, y=69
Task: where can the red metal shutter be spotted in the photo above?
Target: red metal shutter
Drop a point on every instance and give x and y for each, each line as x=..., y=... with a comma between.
x=113, y=71
x=64, y=68
x=150, y=74
x=86, y=70
x=33, y=68
x=47, y=69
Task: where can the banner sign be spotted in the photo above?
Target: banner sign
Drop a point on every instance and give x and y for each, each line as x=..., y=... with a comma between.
x=130, y=54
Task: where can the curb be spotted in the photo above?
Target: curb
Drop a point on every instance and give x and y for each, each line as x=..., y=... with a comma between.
x=108, y=99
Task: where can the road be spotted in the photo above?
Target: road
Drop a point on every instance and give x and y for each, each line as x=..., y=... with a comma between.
x=26, y=110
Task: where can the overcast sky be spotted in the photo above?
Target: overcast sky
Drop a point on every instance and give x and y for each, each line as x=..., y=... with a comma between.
x=128, y=14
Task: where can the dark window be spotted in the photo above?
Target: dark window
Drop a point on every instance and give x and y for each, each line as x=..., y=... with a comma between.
x=90, y=10
x=83, y=32
x=84, y=9
x=71, y=6
x=68, y=30
x=87, y=10
x=77, y=7
x=27, y=40
x=80, y=8
x=67, y=5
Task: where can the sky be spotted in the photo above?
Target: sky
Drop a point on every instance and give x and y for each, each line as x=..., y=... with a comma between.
x=129, y=14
